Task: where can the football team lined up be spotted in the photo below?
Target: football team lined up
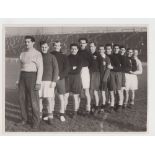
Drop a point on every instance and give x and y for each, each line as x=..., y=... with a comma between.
x=107, y=70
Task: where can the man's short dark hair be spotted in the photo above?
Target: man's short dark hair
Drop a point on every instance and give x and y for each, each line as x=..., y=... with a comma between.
x=30, y=37
x=74, y=44
x=92, y=42
x=43, y=42
x=116, y=45
x=83, y=39
x=108, y=45
x=57, y=41
x=122, y=46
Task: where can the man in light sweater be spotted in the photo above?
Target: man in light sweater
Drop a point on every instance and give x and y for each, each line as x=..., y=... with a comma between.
x=29, y=82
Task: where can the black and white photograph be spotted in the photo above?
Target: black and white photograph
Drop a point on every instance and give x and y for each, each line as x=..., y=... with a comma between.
x=76, y=79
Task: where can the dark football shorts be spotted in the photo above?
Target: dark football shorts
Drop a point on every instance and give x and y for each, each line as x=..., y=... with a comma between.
x=123, y=80
x=60, y=86
x=67, y=84
x=95, y=81
x=75, y=84
x=114, y=81
x=104, y=80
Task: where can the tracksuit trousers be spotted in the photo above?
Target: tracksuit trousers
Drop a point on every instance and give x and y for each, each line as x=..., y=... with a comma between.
x=28, y=96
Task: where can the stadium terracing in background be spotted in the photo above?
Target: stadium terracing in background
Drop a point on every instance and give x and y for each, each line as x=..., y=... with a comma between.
x=130, y=36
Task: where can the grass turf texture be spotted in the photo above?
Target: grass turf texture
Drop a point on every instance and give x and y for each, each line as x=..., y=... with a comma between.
x=129, y=120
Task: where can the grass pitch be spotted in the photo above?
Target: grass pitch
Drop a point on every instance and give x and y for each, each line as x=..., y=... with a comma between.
x=130, y=120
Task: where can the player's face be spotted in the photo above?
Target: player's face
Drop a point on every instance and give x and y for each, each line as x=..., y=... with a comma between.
x=108, y=50
x=44, y=48
x=83, y=44
x=101, y=50
x=135, y=53
x=130, y=53
x=116, y=49
x=92, y=47
x=122, y=51
x=29, y=44
x=74, y=50
x=57, y=46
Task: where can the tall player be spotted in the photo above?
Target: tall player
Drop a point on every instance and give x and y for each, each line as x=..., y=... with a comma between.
x=86, y=61
x=29, y=82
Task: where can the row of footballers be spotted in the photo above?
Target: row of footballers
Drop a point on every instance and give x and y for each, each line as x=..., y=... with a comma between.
x=109, y=69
